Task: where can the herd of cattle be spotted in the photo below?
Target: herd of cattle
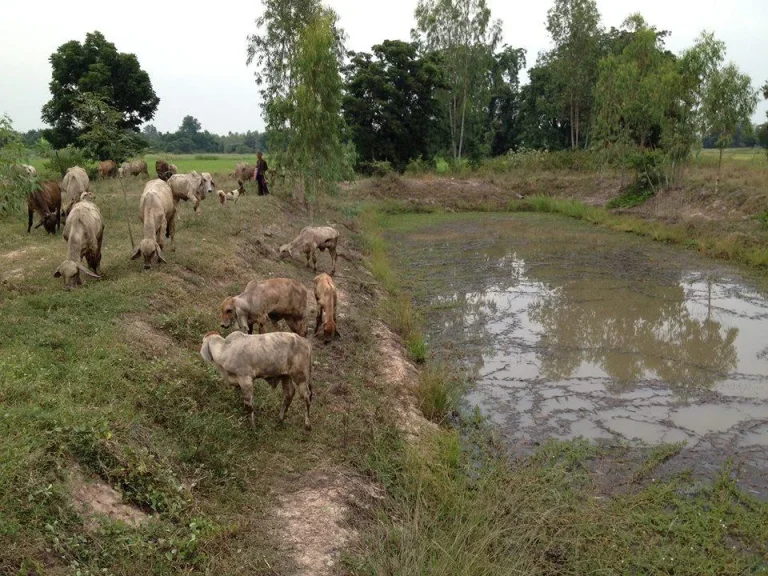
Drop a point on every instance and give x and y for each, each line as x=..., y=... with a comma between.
x=284, y=357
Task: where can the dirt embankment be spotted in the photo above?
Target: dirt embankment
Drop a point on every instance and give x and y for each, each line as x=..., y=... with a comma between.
x=742, y=198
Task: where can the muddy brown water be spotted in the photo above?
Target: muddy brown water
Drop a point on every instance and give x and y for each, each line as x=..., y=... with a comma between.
x=567, y=330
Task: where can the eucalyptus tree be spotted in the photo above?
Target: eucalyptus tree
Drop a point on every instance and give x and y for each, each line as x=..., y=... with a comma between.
x=464, y=34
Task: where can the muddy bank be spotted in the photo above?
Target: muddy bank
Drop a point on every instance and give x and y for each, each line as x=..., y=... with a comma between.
x=567, y=330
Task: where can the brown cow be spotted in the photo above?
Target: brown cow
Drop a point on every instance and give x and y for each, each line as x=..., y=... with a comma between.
x=244, y=171
x=325, y=296
x=46, y=201
x=163, y=170
x=108, y=169
x=273, y=299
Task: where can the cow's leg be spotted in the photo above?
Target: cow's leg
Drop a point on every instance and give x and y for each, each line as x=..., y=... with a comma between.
x=297, y=325
x=332, y=252
x=58, y=218
x=246, y=389
x=319, y=319
x=29, y=223
x=313, y=250
x=307, y=252
x=305, y=390
x=288, y=390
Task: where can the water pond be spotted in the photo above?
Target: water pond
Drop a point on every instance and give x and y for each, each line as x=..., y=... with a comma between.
x=567, y=330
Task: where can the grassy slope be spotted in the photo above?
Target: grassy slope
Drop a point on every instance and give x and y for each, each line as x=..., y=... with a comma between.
x=109, y=377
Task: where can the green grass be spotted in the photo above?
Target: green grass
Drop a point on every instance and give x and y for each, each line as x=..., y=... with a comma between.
x=438, y=392
x=223, y=164
x=107, y=378
x=461, y=510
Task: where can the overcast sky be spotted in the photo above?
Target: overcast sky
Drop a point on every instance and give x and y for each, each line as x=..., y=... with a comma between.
x=196, y=56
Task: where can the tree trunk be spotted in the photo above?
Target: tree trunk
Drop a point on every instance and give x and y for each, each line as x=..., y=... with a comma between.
x=573, y=127
x=463, y=114
x=452, y=122
x=578, y=121
x=719, y=167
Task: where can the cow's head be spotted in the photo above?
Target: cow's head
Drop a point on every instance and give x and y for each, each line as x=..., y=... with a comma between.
x=70, y=270
x=49, y=222
x=149, y=248
x=208, y=183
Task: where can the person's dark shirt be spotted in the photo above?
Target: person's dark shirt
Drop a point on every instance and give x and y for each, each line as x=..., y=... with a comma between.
x=261, y=167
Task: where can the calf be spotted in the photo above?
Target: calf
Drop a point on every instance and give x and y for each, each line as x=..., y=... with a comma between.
x=83, y=232
x=276, y=357
x=157, y=211
x=310, y=240
x=46, y=201
x=274, y=299
x=325, y=297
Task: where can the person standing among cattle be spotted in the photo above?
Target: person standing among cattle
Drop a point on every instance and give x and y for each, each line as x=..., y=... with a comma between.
x=260, y=175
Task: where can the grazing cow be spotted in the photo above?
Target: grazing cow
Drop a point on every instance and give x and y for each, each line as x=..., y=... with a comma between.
x=157, y=211
x=276, y=357
x=133, y=168
x=309, y=241
x=244, y=171
x=84, y=232
x=46, y=201
x=74, y=183
x=107, y=169
x=274, y=299
x=192, y=186
x=325, y=297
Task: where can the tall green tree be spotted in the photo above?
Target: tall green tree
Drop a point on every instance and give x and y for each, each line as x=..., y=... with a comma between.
x=636, y=91
x=729, y=101
x=316, y=95
x=542, y=123
x=274, y=48
x=504, y=128
x=466, y=37
x=390, y=102
x=95, y=66
x=102, y=132
x=574, y=26
x=190, y=125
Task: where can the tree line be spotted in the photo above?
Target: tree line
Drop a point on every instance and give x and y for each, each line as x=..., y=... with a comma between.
x=452, y=90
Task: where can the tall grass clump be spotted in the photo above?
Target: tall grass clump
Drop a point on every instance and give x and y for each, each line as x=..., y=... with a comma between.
x=397, y=307
x=438, y=392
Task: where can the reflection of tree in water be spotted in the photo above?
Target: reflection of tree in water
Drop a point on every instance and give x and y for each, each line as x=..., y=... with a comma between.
x=588, y=301
x=462, y=316
x=630, y=335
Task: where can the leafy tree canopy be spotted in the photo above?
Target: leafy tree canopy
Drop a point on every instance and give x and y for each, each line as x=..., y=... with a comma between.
x=95, y=66
x=390, y=103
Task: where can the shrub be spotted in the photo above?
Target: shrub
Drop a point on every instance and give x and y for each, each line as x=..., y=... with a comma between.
x=59, y=161
x=375, y=168
x=418, y=166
